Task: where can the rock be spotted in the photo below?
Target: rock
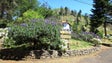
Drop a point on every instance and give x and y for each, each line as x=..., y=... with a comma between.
x=54, y=54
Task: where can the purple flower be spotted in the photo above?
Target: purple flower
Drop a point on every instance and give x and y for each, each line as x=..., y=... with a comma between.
x=33, y=20
x=53, y=23
x=23, y=24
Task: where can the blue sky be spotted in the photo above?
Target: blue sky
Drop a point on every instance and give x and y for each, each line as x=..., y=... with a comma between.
x=72, y=4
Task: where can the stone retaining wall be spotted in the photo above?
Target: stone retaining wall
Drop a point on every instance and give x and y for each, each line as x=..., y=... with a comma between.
x=16, y=54
x=68, y=53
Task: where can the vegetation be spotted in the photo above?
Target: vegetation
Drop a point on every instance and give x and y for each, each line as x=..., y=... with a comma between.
x=40, y=34
x=98, y=18
x=37, y=26
x=79, y=44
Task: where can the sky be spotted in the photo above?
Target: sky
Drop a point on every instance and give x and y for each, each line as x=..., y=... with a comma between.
x=84, y=5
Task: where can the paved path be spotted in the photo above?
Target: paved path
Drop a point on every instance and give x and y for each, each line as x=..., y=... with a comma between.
x=104, y=56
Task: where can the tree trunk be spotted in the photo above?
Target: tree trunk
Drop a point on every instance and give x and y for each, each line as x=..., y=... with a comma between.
x=105, y=31
x=2, y=10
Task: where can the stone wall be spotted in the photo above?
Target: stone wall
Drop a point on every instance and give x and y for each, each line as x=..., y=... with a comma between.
x=16, y=54
x=68, y=53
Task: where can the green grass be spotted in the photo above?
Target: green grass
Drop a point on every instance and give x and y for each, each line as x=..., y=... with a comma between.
x=78, y=44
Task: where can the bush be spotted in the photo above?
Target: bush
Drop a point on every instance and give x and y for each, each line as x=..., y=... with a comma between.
x=86, y=36
x=39, y=33
x=96, y=41
x=9, y=43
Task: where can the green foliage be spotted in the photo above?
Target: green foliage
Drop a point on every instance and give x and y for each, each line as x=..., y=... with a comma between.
x=30, y=14
x=45, y=12
x=9, y=43
x=79, y=14
x=3, y=23
x=98, y=17
x=86, y=19
x=61, y=11
x=79, y=44
x=100, y=33
x=43, y=35
x=66, y=10
x=96, y=41
x=9, y=9
x=74, y=13
x=24, y=5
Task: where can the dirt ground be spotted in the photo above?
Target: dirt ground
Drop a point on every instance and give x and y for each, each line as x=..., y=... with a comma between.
x=92, y=58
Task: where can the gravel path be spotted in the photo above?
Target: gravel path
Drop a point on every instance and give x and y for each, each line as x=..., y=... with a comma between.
x=104, y=56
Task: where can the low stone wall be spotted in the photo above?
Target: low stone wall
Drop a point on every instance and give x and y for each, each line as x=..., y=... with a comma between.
x=22, y=54
x=68, y=53
x=16, y=54
x=81, y=52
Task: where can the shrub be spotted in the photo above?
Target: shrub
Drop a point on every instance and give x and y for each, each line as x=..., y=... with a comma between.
x=96, y=41
x=9, y=43
x=39, y=33
x=86, y=36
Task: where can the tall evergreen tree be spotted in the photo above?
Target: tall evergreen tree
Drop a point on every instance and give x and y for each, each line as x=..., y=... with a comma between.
x=110, y=8
x=78, y=17
x=11, y=8
x=66, y=10
x=86, y=19
x=6, y=9
x=73, y=12
x=98, y=16
x=61, y=11
x=79, y=13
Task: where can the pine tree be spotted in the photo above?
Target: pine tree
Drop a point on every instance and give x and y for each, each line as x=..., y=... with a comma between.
x=73, y=12
x=61, y=11
x=110, y=8
x=66, y=10
x=86, y=19
x=98, y=16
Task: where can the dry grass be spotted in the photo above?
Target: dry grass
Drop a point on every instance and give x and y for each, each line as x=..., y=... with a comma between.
x=107, y=41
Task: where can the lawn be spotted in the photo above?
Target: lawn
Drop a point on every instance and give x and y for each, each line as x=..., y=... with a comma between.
x=78, y=44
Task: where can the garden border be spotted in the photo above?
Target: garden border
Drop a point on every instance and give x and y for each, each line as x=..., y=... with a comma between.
x=68, y=53
x=16, y=54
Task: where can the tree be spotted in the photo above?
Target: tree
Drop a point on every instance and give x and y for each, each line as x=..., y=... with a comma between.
x=6, y=9
x=73, y=12
x=76, y=22
x=86, y=19
x=11, y=8
x=110, y=7
x=79, y=13
x=24, y=5
x=14, y=8
x=78, y=17
x=98, y=16
x=66, y=10
x=45, y=11
x=61, y=11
